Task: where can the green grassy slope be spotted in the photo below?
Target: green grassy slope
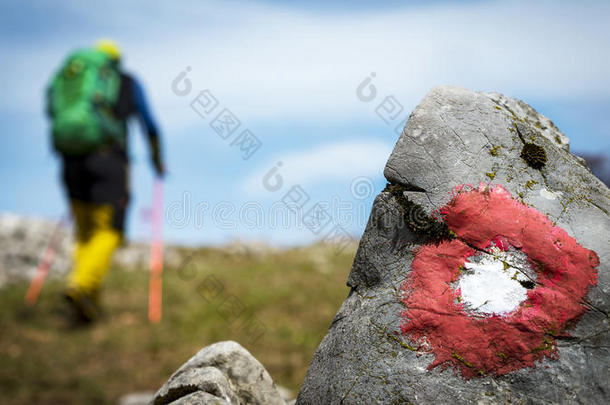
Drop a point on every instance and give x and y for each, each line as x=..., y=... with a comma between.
x=277, y=305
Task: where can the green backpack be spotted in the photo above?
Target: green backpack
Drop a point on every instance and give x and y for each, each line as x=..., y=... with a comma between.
x=81, y=99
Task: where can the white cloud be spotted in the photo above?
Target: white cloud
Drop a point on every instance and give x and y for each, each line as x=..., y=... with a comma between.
x=335, y=162
x=273, y=63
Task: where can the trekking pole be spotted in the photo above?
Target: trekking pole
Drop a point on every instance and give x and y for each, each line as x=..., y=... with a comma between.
x=156, y=255
x=31, y=296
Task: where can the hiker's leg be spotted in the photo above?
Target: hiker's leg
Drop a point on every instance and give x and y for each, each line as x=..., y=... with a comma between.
x=93, y=256
x=99, y=181
x=108, y=196
x=82, y=233
x=77, y=183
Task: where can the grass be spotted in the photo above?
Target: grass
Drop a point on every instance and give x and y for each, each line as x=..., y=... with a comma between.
x=287, y=297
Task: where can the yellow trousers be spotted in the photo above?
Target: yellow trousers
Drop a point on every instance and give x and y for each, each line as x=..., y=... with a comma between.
x=96, y=240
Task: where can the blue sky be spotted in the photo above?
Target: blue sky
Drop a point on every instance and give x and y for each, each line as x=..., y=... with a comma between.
x=289, y=72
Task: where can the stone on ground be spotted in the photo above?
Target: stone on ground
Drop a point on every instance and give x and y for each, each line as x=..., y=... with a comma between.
x=222, y=373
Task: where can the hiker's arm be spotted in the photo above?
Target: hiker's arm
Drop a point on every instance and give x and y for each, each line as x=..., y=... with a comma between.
x=149, y=126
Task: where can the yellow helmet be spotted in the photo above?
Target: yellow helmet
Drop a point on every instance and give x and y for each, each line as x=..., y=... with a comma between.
x=109, y=47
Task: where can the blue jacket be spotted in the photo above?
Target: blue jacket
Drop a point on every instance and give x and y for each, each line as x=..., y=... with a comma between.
x=132, y=102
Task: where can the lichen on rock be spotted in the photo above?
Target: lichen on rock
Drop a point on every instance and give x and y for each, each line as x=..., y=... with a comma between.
x=534, y=155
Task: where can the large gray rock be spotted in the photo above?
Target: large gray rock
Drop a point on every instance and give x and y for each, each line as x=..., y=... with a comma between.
x=457, y=137
x=222, y=373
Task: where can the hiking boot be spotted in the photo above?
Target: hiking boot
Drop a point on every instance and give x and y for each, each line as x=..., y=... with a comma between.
x=83, y=307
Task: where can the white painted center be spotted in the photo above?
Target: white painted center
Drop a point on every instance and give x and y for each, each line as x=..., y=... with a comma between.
x=489, y=283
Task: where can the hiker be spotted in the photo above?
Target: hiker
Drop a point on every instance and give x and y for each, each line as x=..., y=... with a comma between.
x=89, y=101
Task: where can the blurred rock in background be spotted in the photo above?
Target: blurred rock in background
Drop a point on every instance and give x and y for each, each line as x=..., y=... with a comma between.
x=599, y=165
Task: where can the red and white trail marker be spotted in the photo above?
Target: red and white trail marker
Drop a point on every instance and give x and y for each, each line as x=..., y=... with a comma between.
x=493, y=299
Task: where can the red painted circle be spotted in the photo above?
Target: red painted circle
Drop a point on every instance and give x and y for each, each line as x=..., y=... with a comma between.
x=496, y=344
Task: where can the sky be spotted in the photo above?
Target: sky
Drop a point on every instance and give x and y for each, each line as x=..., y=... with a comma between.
x=289, y=71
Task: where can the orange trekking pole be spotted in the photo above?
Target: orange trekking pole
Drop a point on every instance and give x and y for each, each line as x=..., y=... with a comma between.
x=31, y=296
x=156, y=254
